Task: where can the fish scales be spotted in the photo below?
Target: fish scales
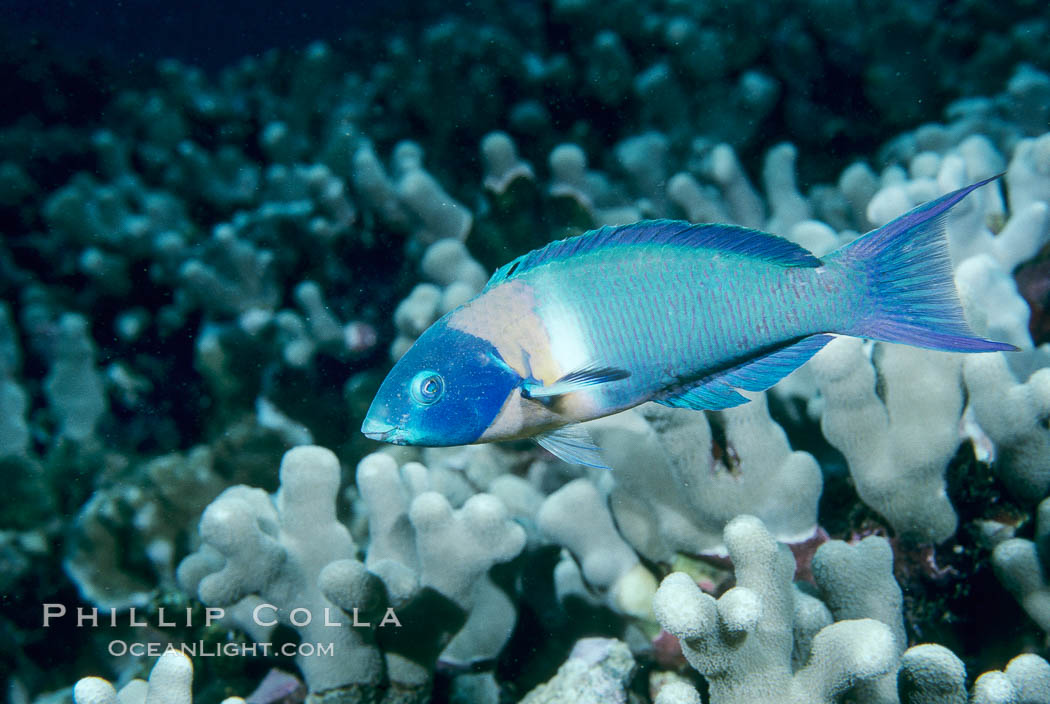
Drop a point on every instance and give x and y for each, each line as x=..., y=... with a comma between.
x=644, y=308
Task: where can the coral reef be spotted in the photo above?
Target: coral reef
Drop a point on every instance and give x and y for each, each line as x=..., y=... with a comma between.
x=744, y=642
x=765, y=640
x=169, y=682
x=656, y=451
x=597, y=670
x=908, y=427
x=292, y=560
x=1021, y=566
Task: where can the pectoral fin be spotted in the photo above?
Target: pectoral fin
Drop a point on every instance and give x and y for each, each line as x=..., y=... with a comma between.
x=572, y=444
x=573, y=381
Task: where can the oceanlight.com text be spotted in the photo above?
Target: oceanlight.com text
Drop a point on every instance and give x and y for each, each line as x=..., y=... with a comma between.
x=201, y=649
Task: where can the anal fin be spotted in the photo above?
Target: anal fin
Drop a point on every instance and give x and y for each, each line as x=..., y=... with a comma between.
x=572, y=444
x=763, y=372
x=709, y=395
x=717, y=391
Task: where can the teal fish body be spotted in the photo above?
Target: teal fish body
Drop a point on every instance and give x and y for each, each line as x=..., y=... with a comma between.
x=681, y=314
x=671, y=313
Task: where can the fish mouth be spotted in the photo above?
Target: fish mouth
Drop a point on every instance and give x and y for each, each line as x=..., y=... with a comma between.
x=383, y=432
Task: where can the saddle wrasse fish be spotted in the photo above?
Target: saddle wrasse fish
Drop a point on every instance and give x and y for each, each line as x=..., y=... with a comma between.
x=685, y=315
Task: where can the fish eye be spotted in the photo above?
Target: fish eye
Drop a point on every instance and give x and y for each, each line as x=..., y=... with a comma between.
x=427, y=387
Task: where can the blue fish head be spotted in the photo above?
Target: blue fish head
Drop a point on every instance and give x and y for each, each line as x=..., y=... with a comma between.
x=446, y=390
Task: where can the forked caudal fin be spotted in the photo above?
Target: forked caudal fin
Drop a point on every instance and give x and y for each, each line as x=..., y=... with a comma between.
x=910, y=284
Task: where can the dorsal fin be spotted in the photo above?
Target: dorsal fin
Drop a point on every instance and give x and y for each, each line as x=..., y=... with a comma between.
x=726, y=238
